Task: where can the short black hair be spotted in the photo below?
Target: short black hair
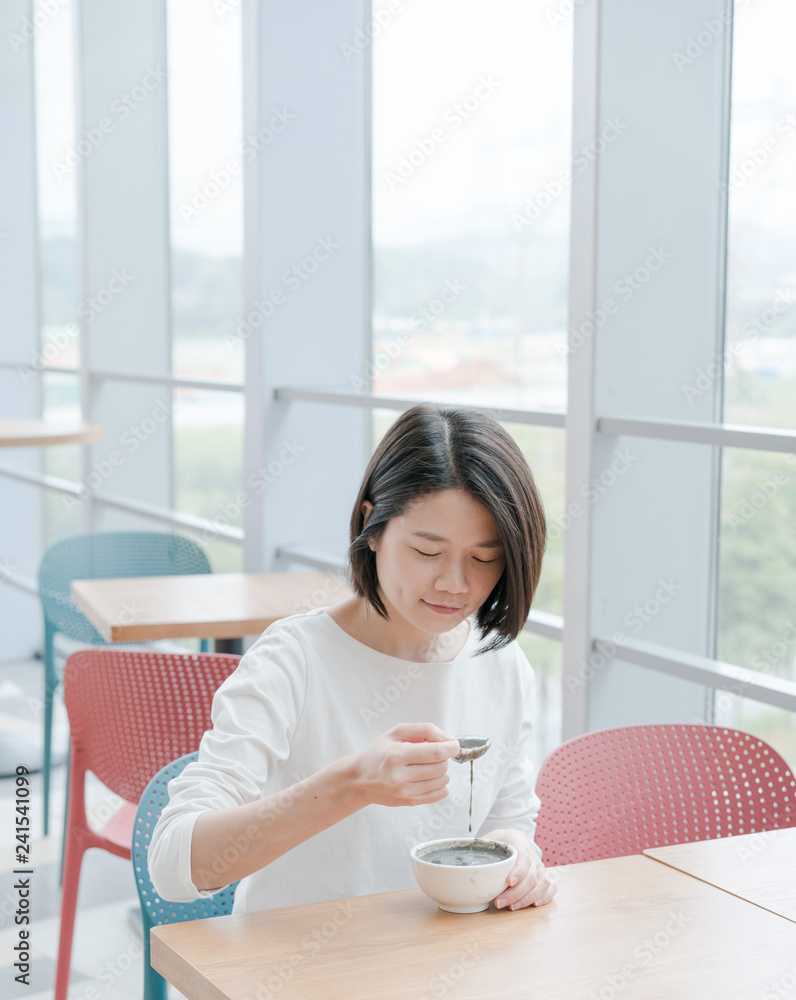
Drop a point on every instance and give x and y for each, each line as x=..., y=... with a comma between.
x=431, y=448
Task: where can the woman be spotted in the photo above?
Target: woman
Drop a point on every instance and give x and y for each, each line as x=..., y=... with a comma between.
x=329, y=754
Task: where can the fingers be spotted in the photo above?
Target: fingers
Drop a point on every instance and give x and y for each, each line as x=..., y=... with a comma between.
x=534, y=889
x=538, y=896
x=419, y=790
x=419, y=732
x=428, y=753
x=427, y=772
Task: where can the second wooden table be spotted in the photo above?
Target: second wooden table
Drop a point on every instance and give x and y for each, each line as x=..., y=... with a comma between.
x=204, y=606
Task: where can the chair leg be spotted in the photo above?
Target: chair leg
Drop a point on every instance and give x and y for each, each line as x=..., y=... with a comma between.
x=50, y=684
x=66, y=812
x=154, y=984
x=74, y=860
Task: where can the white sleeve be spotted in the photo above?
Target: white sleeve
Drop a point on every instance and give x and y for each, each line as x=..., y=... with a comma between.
x=255, y=713
x=517, y=804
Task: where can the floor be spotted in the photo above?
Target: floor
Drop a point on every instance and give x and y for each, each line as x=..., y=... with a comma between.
x=107, y=955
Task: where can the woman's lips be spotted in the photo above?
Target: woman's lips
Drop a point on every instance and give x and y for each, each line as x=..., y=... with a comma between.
x=441, y=609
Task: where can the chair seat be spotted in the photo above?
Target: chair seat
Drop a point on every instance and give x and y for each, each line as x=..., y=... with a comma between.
x=119, y=827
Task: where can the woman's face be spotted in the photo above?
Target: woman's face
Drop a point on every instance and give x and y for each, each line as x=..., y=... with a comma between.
x=439, y=562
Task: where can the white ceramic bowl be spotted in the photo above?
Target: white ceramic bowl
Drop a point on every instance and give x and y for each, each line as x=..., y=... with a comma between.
x=465, y=888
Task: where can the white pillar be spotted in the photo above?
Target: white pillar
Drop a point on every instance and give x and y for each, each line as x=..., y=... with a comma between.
x=123, y=226
x=307, y=285
x=20, y=504
x=653, y=199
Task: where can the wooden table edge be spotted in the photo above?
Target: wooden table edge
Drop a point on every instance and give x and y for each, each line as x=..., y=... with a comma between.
x=82, y=434
x=188, y=630
x=721, y=888
x=87, y=610
x=177, y=971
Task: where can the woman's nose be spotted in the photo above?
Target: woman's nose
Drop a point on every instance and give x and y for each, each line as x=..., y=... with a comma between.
x=451, y=578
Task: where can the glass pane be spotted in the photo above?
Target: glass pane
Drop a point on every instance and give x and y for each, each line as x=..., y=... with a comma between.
x=224, y=557
x=544, y=655
x=57, y=192
x=470, y=214
x=63, y=514
x=208, y=466
x=760, y=385
x=757, y=561
x=206, y=185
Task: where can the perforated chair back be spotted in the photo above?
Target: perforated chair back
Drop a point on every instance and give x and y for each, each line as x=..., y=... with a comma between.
x=154, y=910
x=90, y=557
x=131, y=712
x=619, y=791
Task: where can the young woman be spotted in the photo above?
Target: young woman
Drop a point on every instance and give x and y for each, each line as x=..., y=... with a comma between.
x=330, y=753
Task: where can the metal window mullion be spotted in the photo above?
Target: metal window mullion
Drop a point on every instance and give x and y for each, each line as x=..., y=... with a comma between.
x=703, y=670
x=580, y=379
x=190, y=522
x=86, y=389
x=341, y=397
x=253, y=430
x=718, y=435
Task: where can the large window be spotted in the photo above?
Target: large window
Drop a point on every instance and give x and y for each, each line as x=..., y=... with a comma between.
x=58, y=265
x=471, y=147
x=757, y=582
x=205, y=122
x=206, y=203
x=475, y=273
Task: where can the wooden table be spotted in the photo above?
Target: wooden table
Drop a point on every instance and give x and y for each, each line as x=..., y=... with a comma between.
x=626, y=928
x=758, y=867
x=21, y=432
x=204, y=606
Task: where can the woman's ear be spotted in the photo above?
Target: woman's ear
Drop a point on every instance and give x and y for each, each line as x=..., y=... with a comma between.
x=367, y=507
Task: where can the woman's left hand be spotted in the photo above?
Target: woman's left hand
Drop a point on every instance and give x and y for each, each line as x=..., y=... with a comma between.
x=529, y=881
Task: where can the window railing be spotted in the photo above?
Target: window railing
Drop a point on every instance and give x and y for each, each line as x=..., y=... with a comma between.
x=687, y=666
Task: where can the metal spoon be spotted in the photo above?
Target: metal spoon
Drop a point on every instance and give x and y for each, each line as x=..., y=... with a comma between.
x=472, y=747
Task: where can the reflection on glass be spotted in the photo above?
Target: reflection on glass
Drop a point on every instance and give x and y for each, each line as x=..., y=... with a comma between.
x=760, y=358
x=470, y=215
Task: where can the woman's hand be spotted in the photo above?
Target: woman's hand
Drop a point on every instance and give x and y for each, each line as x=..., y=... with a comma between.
x=529, y=881
x=406, y=766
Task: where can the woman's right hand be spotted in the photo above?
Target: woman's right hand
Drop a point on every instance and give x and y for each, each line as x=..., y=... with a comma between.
x=406, y=766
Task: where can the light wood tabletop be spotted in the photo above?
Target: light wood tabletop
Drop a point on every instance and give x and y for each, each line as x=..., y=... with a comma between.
x=624, y=928
x=206, y=605
x=759, y=867
x=21, y=432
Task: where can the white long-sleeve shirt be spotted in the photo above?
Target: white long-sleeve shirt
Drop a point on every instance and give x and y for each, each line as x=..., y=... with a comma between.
x=307, y=693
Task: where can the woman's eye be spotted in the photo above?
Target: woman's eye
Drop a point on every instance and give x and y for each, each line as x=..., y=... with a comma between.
x=484, y=562
x=429, y=554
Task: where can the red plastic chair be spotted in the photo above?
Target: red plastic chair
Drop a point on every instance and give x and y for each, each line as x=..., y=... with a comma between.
x=130, y=712
x=615, y=792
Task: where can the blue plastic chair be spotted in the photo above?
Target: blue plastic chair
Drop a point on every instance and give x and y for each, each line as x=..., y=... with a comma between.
x=154, y=910
x=91, y=557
